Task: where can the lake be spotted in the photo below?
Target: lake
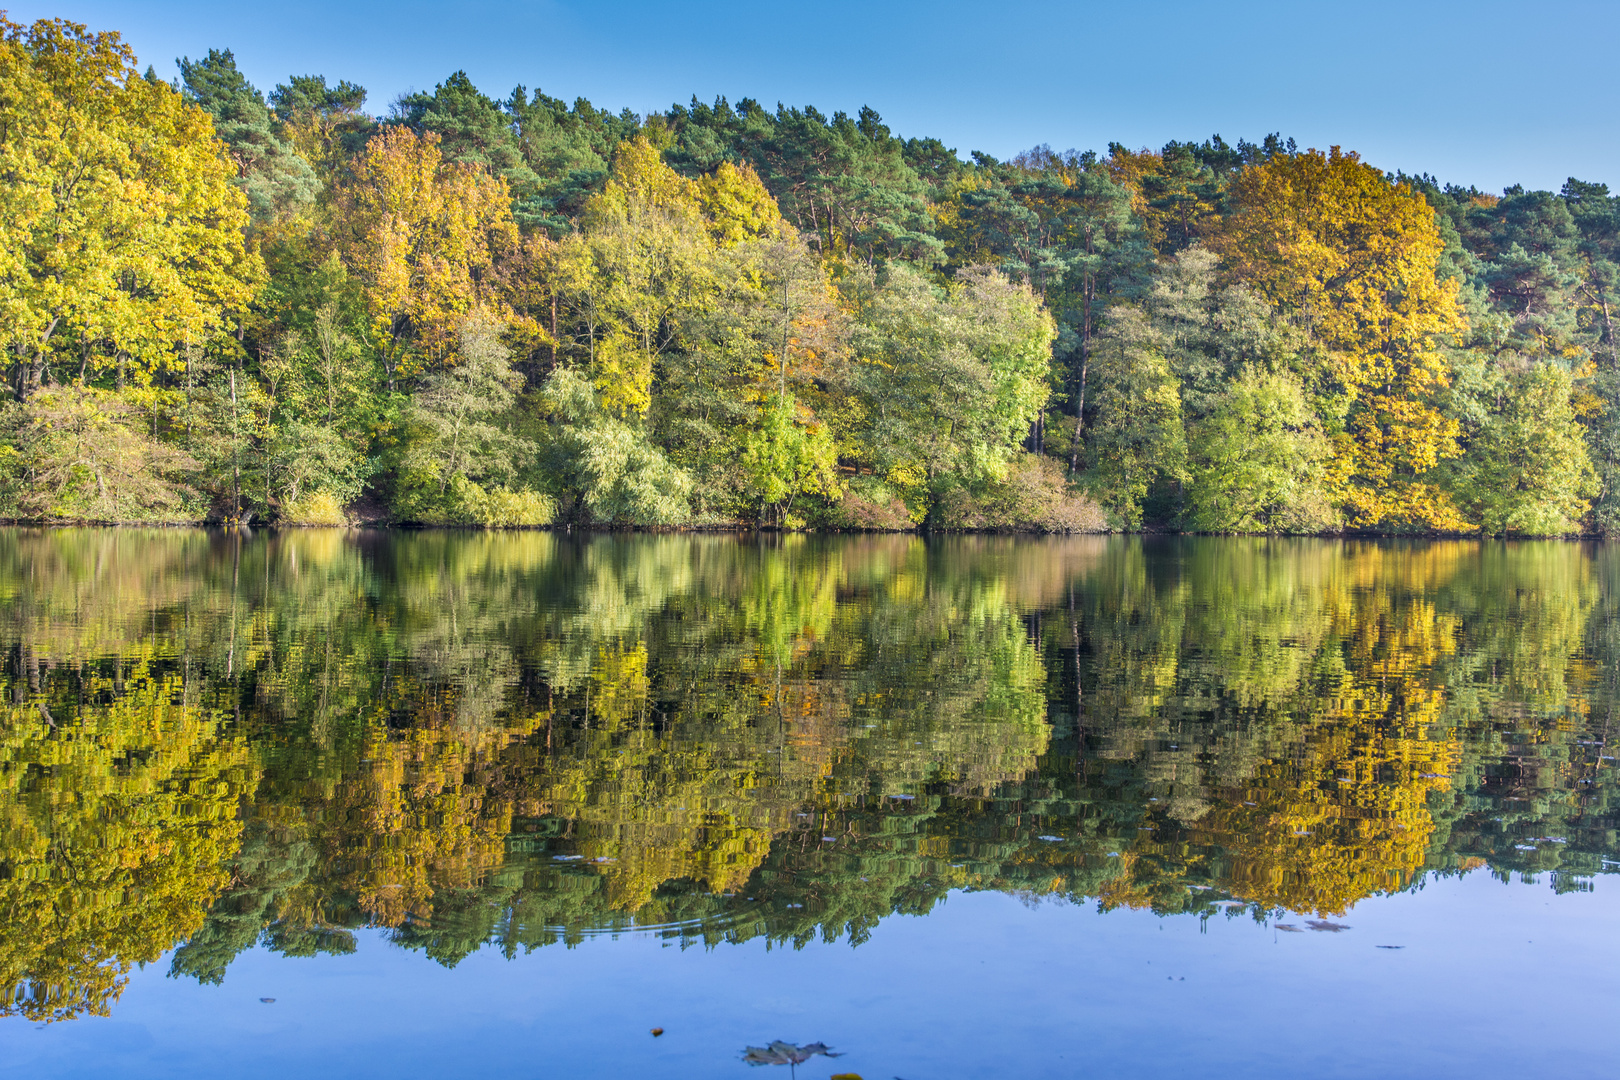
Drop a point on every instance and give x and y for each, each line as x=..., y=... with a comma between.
x=364, y=803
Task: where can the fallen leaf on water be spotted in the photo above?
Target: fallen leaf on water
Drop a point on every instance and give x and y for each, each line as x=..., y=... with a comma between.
x=657, y=1032
x=785, y=1053
x=268, y=1001
x=1389, y=946
x=845, y=1076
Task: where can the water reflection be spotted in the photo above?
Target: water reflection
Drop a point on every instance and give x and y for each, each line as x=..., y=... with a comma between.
x=520, y=739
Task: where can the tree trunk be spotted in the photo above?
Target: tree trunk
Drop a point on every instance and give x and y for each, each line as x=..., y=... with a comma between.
x=236, y=455
x=1085, y=365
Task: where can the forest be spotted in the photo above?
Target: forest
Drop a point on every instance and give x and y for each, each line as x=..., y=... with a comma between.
x=221, y=304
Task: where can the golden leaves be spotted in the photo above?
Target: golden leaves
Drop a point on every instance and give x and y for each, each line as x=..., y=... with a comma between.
x=121, y=234
x=1352, y=258
x=423, y=236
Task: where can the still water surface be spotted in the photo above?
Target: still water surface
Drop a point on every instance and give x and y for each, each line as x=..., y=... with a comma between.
x=499, y=804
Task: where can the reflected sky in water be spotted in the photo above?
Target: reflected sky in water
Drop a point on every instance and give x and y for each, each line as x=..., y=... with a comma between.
x=507, y=801
x=983, y=987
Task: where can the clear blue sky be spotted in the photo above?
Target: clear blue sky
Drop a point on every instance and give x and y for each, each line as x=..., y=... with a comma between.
x=1485, y=92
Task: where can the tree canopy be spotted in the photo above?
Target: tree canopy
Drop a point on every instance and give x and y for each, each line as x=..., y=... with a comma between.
x=221, y=304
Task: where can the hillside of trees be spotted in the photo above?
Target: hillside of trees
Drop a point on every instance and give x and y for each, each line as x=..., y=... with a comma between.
x=220, y=304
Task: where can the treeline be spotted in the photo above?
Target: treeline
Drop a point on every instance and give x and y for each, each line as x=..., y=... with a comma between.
x=221, y=305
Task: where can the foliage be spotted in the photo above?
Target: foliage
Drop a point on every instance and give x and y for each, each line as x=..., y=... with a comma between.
x=121, y=235
x=786, y=457
x=1138, y=440
x=314, y=508
x=617, y=476
x=1527, y=470
x=517, y=739
x=1034, y=496
x=1353, y=259
x=947, y=381
x=722, y=315
x=455, y=442
x=420, y=235
x=1257, y=461
x=84, y=456
x=276, y=179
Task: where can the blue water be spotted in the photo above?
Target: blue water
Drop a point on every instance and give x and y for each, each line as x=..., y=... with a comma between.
x=1079, y=807
x=1491, y=979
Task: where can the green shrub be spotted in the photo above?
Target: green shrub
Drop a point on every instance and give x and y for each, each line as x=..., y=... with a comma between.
x=503, y=508
x=314, y=508
x=464, y=502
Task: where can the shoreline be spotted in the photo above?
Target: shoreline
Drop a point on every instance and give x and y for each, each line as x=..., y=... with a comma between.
x=745, y=530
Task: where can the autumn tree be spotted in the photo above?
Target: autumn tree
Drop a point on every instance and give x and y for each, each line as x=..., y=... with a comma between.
x=473, y=129
x=422, y=235
x=1351, y=257
x=120, y=228
x=641, y=261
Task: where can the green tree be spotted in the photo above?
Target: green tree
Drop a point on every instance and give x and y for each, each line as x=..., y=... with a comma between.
x=948, y=381
x=1526, y=469
x=787, y=456
x=84, y=454
x=276, y=178
x=457, y=445
x=606, y=465
x=1256, y=461
x=323, y=121
x=1138, y=439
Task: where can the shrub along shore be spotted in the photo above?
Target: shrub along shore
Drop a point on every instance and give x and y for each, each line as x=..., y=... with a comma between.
x=225, y=306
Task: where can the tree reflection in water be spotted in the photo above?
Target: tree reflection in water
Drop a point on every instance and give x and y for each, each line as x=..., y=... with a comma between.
x=215, y=740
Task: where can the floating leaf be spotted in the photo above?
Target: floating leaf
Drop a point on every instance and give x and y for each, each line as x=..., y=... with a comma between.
x=785, y=1053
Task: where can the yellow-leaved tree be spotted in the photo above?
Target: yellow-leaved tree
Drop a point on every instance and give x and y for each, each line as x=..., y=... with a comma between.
x=1352, y=257
x=121, y=235
x=641, y=259
x=738, y=206
x=423, y=236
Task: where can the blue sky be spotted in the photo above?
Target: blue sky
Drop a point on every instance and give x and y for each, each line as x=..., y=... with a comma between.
x=1485, y=92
